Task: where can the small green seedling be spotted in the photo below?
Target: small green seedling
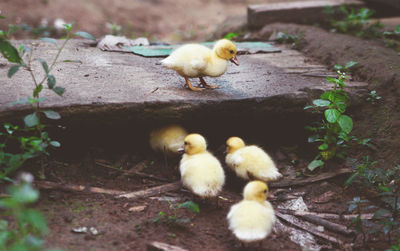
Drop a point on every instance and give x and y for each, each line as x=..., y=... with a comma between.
x=174, y=217
x=373, y=97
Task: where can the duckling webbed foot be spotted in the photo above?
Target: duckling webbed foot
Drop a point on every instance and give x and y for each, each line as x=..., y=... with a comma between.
x=205, y=85
x=191, y=87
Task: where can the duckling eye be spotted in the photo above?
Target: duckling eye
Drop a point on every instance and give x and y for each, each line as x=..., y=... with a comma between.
x=265, y=191
x=231, y=51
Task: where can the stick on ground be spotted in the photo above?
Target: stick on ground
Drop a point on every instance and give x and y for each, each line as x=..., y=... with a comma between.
x=159, y=246
x=327, y=215
x=329, y=238
x=303, y=181
x=151, y=191
x=76, y=188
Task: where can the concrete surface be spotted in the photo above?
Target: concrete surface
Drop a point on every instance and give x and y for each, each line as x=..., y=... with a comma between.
x=292, y=12
x=108, y=81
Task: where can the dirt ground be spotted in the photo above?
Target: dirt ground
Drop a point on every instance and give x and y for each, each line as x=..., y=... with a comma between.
x=180, y=20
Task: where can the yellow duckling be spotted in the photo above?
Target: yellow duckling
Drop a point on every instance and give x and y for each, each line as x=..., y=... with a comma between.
x=168, y=139
x=253, y=218
x=198, y=61
x=201, y=172
x=250, y=161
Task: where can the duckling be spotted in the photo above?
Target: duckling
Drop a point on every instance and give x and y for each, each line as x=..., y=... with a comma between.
x=168, y=139
x=198, y=61
x=250, y=161
x=253, y=218
x=200, y=171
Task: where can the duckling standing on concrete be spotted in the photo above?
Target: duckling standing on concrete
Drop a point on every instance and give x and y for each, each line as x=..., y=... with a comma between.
x=250, y=161
x=201, y=172
x=252, y=219
x=198, y=61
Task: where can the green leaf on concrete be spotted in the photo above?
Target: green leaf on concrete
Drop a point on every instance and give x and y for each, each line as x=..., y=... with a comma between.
x=51, y=81
x=37, y=90
x=49, y=40
x=314, y=164
x=84, y=35
x=59, y=90
x=72, y=61
x=31, y=120
x=346, y=123
x=13, y=70
x=350, y=64
x=332, y=115
x=10, y=52
x=52, y=114
x=44, y=64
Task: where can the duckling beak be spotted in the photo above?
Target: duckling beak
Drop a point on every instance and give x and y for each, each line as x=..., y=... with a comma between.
x=235, y=60
x=181, y=149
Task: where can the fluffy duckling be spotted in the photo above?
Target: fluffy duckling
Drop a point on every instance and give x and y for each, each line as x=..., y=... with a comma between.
x=250, y=161
x=198, y=61
x=253, y=218
x=200, y=171
x=168, y=139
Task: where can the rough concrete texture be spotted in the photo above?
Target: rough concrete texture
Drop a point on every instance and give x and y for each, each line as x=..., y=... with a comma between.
x=109, y=82
x=293, y=12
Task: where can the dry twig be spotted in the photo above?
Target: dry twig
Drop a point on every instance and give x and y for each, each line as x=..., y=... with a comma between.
x=151, y=191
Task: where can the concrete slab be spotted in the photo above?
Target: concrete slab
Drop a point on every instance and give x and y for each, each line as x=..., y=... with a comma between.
x=110, y=82
x=293, y=12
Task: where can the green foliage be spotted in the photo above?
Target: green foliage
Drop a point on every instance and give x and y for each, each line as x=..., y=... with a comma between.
x=30, y=225
x=175, y=217
x=392, y=38
x=356, y=23
x=333, y=132
x=231, y=35
x=33, y=140
x=386, y=185
x=285, y=38
x=356, y=205
x=373, y=97
x=114, y=28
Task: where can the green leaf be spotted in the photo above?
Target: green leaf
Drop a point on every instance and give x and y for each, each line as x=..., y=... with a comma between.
x=31, y=120
x=3, y=225
x=55, y=143
x=10, y=52
x=59, y=90
x=44, y=64
x=24, y=193
x=191, y=206
x=332, y=115
x=346, y=123
x=49, y=40
x=51, y=81
x=36, y=220
x=68, y=27
x=84, y=35
x=314, y=164
x=13, y=70
x=323, y=147
x=321, y=102
x=37, y=90
x=350, y=179
x=52, y=114
x=72, y=61
x=350, y=64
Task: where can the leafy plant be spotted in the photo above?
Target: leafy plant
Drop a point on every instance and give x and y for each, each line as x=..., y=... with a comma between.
x=30, y=225
x=373, y=97
x=36, y=140
x=285, y=38
x=231, y=35
x=356, y=205
x=385, y=184
x=357, y=23
x=392, y=38
x=114, y=28
x=175, y=217
x=333, y=132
